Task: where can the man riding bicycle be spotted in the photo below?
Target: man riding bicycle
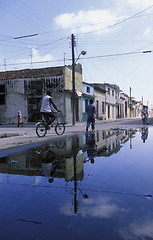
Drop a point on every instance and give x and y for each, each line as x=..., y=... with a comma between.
x=46, y=108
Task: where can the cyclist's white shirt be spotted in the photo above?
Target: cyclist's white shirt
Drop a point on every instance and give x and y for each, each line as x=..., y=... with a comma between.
x=46, y=105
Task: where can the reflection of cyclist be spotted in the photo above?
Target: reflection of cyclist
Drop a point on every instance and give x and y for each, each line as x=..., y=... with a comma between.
x=50, y=169
x=144, y=134
x=46, y=108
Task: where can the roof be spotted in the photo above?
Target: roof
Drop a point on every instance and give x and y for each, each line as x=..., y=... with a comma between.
x=115, y=86
x=34, y=73
x=99, y=86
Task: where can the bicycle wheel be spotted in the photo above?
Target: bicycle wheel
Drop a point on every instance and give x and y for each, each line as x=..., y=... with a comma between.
x=60, y=128
x=41, y=129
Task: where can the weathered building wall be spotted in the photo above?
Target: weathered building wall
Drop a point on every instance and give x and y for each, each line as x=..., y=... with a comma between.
x=100, y=102
x=24, y=93
x=14, y=101
x=68, y=93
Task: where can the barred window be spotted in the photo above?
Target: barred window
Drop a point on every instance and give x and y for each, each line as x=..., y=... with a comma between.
x=2, y=94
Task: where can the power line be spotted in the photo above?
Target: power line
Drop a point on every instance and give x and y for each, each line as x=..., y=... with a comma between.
x=122, y=21
x=70, y=59
x=117, y=54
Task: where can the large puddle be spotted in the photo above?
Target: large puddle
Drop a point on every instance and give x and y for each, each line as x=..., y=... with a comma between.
x=89, y=186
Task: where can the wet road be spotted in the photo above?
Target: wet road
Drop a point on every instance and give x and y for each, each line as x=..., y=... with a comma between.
x=79, y=186
x=11, y=136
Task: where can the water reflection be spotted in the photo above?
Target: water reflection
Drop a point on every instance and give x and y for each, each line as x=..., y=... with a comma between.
x=56, y=159
x=102, y=178
x=91, y=146
x=144, y=134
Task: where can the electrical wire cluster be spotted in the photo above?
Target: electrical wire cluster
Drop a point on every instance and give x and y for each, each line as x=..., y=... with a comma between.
x=46, y=46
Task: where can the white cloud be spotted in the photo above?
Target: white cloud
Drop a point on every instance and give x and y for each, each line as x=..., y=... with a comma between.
x=99, y=20
x=86, y=21
x=101, y=207
x=141, y=229
x=148, y=32
x=140, y=3
x=36, y=57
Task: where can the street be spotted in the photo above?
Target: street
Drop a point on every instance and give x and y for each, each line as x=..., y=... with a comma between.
x=11, y=136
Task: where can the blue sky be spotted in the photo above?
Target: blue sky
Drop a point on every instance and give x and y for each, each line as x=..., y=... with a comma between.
x=113, y=32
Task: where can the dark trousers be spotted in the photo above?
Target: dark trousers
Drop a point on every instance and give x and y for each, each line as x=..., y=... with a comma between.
x=91, y=120
x=49, y=117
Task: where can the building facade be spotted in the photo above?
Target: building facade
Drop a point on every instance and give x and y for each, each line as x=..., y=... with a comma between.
x=23, y=90
x=100, y=100
x=87, y=94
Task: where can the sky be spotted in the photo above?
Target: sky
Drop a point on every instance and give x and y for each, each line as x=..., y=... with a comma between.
x=114, y=33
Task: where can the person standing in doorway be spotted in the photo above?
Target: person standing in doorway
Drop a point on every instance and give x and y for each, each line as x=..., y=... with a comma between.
x=91, y=112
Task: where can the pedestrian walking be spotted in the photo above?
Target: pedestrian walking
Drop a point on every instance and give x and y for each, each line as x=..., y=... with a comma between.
x=91, y=112
x=20, y=121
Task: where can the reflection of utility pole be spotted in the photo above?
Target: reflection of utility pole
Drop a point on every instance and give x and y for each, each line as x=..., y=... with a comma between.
x=75, y=175
x=75, y=185
x=130, y=138
x=130, y=141
x=130, y=103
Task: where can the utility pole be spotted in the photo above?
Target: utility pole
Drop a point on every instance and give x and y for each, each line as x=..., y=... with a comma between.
x=5, y=64
x=64, y=59
x=73, y=81
x=31, y=55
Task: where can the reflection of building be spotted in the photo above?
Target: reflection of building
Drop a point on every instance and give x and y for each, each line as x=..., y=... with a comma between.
x=69, y=174
x=110, y=141
x=69, y=153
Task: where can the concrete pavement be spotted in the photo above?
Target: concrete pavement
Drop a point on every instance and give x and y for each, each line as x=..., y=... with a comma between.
x=11, y=136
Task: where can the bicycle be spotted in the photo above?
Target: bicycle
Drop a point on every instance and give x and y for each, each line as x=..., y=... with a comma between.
x=42, y=127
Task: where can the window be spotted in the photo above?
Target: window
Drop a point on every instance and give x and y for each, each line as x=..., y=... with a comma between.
x=88, y=89
x=108, y=90
x=2, y=94
x=112, y=92
x=97, y=108
x=86, y=104
x=103, y=107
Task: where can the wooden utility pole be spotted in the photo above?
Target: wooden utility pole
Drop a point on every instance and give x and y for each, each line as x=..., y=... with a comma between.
x=73, y=81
